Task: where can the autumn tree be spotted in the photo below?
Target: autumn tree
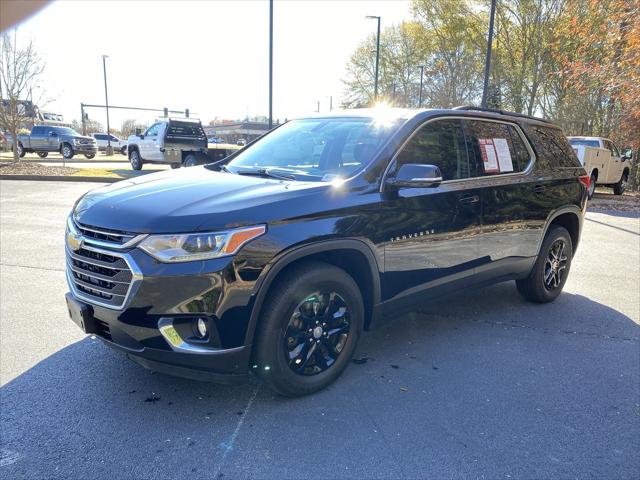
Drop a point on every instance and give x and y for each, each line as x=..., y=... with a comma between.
x=20, y=70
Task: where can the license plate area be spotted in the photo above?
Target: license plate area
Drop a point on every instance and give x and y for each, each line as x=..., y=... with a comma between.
x=81, y=314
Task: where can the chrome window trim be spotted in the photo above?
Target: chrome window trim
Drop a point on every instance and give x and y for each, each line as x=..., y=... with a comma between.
x=526, y=171
x=136, y=279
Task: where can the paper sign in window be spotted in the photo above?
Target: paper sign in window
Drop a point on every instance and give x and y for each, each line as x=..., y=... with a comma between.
x=489, y=156
x=504, y=155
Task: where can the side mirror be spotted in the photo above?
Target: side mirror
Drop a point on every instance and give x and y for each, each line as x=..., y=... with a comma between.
x=415, y=175
x=627, y=154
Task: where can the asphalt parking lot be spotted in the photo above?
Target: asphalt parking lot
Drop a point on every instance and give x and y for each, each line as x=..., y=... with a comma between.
x=483, y=385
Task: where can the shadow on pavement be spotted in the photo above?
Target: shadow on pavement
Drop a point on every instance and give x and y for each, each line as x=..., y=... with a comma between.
x=479, y=384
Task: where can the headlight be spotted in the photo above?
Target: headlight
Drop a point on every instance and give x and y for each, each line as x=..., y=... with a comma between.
x=187, y=247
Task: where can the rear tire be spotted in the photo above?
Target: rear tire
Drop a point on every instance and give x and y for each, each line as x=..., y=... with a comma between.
x=135, y=159
x=190, y=160
x=43, y=154
x=592, y=186
x=175, y=165
x=21, y=152
x=67, y=151
x=90, y=155
x=123, y=150
x=551, y=269
x=621, y=186
x=296, y=352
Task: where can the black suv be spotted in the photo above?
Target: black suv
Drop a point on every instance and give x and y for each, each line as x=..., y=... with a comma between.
x=276, y=258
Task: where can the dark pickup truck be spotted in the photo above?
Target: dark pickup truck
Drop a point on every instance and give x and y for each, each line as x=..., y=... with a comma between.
x=44, y=139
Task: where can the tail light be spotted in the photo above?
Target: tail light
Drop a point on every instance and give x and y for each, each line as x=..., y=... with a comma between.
x=585, y=180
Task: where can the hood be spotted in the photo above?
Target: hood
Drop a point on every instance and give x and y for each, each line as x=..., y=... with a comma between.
x=192, y=199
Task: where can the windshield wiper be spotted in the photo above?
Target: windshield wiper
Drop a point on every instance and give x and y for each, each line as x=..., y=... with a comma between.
x=267, y=172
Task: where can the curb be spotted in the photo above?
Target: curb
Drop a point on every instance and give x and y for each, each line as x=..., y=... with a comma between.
x=57, y=160
x=61, y=178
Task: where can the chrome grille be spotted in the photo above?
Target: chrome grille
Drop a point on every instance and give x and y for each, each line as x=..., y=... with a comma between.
x=106, y=237
x=100, y=277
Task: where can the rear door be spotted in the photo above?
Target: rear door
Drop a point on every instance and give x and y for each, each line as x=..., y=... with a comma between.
x=513, y=199
x=615, y=163
x=39, y=138
x=431, y=233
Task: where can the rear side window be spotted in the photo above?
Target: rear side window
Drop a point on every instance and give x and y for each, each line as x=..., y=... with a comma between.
x=440, y=143
x=497, y=148
x=553, y=147
x=100, y=137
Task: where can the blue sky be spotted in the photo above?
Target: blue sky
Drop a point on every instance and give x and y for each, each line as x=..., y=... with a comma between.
x=209, y=56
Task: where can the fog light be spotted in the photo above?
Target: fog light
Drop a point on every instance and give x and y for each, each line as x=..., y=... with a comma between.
x=202, y=328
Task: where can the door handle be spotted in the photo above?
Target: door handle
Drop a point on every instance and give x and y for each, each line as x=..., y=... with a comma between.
x=539, y=189
x=469, y=199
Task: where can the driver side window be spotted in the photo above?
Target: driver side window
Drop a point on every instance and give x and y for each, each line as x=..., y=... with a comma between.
x=440, y=143
x=152, y=131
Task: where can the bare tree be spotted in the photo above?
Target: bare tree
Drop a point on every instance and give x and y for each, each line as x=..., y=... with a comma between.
x=20, y=70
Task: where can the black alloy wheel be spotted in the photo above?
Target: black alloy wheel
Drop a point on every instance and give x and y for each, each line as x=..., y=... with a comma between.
x=556, y=265
x=316, y=333
x=308, y=328
x=551, y=269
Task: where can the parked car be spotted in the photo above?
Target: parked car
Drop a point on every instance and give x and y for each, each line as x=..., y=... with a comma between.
x=44, y=139
x=275, y=259
x=603, y=162
x=179, y=142
x=102, y=140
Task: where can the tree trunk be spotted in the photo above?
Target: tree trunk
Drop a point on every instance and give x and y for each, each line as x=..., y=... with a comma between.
x=14, y=136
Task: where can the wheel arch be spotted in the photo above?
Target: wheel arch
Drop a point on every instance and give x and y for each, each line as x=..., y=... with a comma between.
x=353, y=256
x=569, y=217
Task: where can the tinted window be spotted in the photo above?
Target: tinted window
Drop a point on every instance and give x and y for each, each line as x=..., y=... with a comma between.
x=114, y=139
x=497, y=147
x=552, y=146
x=99, y=136
x=588, y=143
x=37, y=131
x=440, y=143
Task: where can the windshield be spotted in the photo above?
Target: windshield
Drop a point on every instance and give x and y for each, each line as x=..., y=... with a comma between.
x=589, y=143
x=66, y=131
x=322, y=149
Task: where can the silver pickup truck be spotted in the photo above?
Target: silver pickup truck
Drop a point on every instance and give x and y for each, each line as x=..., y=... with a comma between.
x=44, y=139
x=178, y=142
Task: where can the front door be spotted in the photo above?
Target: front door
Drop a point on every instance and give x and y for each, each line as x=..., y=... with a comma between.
x=430, y=233
x=614, y=171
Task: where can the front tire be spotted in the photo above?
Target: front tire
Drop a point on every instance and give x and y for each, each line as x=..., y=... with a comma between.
x=21, y=152
x=90, y=155
x=551, y=269
x=309, y=329
x=135, y=159
x=43, y=154
x=67, y=151
x=621, y=186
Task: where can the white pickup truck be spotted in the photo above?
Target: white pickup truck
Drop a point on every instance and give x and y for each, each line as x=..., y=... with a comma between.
x=603, y=162
x=178, y=142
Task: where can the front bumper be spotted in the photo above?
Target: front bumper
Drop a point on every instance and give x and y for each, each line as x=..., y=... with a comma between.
x=85, y=149
x=179, y=293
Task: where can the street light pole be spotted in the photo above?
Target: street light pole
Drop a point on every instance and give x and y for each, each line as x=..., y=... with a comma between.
x=106, y=103
x=270, y=64
x=421, y=67
x=487, y=64
x=375, y=87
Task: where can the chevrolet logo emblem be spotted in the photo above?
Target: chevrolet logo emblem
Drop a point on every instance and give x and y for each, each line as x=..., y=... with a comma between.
x=74, y=241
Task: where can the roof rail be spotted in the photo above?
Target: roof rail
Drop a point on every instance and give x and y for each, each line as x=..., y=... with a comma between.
x=501, y=112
